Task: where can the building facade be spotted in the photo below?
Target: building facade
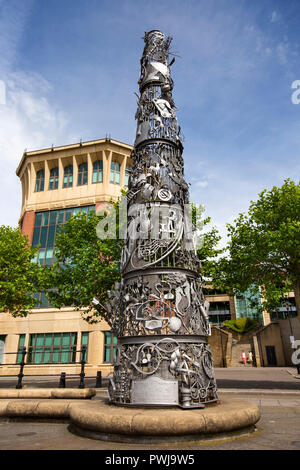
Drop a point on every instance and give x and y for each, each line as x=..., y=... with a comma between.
x=56, y=184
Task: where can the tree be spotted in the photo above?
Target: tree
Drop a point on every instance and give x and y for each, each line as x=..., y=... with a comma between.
x=209, y=251
x=264, y=247
x=19, y=276
x=86, y=266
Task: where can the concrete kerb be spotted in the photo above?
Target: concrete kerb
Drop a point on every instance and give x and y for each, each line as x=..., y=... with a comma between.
x=258, y=391
x=48, y=393
x=293, y=373
x=99, y=420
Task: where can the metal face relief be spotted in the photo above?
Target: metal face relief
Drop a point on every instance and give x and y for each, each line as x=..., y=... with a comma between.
x=158, y=311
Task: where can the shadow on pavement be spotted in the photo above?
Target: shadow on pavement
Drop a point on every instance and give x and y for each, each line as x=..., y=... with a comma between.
x=28, y=382
x=257, y=384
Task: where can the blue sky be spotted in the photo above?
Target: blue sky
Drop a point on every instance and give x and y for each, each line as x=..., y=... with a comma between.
x=70, y=69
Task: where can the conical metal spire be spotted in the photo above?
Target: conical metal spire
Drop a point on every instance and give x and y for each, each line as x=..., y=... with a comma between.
x=160, y=316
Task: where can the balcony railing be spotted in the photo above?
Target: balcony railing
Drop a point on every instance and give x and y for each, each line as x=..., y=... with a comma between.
x=219, y=312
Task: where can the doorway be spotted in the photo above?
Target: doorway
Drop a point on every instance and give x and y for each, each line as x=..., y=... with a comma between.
x=2, y=348
x=271, y=356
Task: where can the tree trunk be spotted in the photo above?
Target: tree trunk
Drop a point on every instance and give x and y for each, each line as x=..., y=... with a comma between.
x=297, y=296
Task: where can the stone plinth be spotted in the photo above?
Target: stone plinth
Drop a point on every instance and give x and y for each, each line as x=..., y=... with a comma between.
x=99, y=420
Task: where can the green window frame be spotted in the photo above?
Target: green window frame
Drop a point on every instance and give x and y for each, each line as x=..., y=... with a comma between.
x=115, y=172
x=53, y=180
x=20, y=348
x=47, y=225
x=84, y=342
x=110, y=346
x=82, y=174
x=2, y=348
x=127, y=175
x=97, y=172
x=68, y=176
x=40, y=181
x=52, y=348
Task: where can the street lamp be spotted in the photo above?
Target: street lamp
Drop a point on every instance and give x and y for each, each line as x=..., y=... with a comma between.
x=288, y=306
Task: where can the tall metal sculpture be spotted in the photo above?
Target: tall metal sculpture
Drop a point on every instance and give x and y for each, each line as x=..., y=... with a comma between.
x=158, y=310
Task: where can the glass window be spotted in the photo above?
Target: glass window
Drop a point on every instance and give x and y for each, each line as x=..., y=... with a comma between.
x=20, y=348
x=2, y=348
x=47, y=225
x=36, y=236
x=84, y=338
x=127, y=174
x=45, y=218
x=68, y=176
x=53, y=181
x=49, y=256
x=43, y=238
x=41, y=256
x=82, y=174
x=38, y=219
x=98, y=171
x=69, y=214
x=44, y=301
x=53, y=215
x=47, y=348
x=40, y=180
x=110, y=343
x=115, y=173
x=51, y=235
x=84, y=342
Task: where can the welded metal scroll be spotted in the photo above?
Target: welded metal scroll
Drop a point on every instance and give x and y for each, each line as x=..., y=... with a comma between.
x=158, y=310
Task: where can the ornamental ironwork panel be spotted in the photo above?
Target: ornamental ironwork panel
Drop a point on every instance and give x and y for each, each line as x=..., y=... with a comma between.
x=158, y=310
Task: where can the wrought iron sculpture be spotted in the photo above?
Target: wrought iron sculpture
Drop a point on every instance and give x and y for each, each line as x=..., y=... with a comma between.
x=158, y=311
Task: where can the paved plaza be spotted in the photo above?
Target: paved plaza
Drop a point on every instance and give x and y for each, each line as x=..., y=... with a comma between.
x=275, y=390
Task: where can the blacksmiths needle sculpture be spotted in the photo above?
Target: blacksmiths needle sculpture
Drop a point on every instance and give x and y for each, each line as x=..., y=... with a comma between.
x=158, y=311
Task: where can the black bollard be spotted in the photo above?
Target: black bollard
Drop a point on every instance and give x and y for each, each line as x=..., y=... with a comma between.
x=22, y=364
x=83, y=361
x=62, y=380
x=99, y=379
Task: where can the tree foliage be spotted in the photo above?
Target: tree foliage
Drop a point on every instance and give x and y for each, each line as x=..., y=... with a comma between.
x=86, y=267
x=19, y=276
x=241, y=325
x=264, y=247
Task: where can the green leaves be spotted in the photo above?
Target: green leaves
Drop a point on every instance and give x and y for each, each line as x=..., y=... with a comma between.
x=264, y=247
x=209, y=250
x=86, y=266
x=241, y=325
x=19, y=276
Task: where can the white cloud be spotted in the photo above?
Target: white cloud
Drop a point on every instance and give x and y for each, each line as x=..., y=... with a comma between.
x=275, y=17
x=201, y=184
x=27, y=120
x=282, y=52
x=13, y=20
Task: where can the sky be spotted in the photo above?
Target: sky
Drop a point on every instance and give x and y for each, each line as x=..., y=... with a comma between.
x=69, y=71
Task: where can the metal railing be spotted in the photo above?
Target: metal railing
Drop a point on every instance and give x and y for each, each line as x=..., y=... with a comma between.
x=63, y=375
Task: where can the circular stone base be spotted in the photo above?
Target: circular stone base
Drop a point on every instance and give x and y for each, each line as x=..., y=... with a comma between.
x=100, y=420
